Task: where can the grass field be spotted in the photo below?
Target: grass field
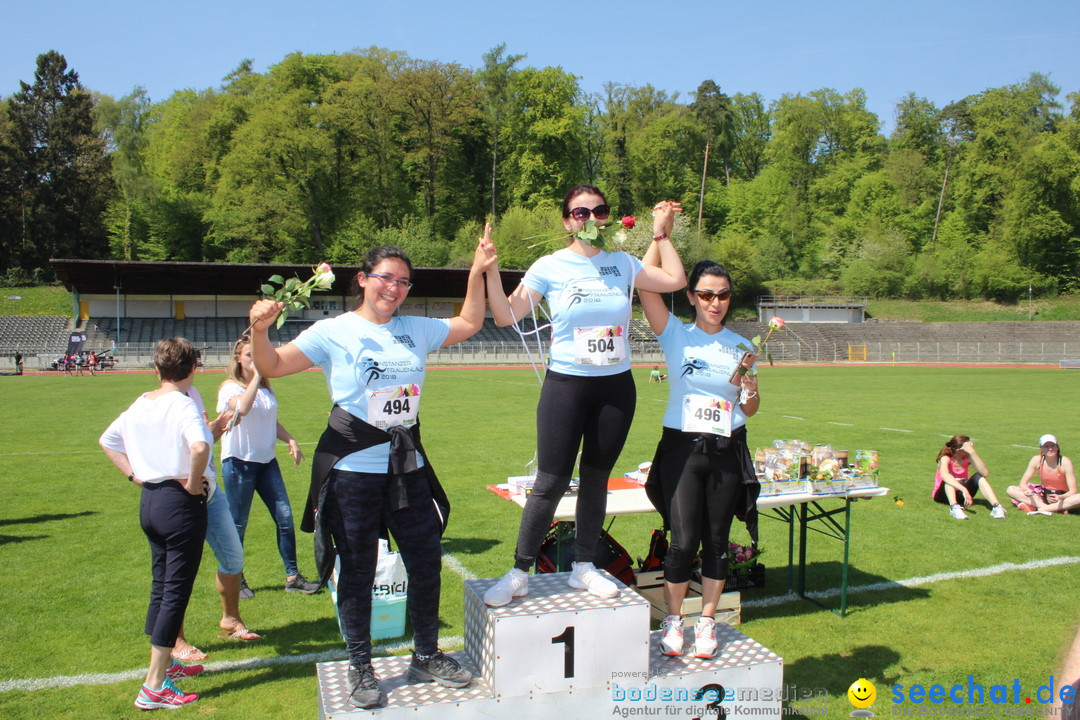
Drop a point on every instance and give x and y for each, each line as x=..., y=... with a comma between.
x=76, y=570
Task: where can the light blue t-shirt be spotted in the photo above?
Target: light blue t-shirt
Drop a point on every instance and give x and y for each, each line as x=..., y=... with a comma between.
x=589, y=299
x=700, y=364
x=359, y=357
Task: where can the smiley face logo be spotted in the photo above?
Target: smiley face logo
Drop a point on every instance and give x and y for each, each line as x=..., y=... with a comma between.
x=862, y=693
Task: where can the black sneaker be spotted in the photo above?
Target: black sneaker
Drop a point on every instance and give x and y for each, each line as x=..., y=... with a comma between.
x=364, y=689
x=439, y=668
x=246, y=593
x=301, y=584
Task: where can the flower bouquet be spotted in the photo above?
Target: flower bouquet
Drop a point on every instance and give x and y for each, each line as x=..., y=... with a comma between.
x=744, y=569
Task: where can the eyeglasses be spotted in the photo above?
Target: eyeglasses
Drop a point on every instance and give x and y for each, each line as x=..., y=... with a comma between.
x=390, y=280
x=708, y=295
x=600, y=212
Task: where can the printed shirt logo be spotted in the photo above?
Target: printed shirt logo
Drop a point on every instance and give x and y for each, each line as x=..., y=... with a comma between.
x=371, y=370
x=610, y=270
x=692, y=365
x=405, y=340
x=575, y=297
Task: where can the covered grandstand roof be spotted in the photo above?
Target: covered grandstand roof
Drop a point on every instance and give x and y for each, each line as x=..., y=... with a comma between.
x=201, y=278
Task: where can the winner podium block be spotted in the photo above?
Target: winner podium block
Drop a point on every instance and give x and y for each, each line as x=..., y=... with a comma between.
x=556, y=638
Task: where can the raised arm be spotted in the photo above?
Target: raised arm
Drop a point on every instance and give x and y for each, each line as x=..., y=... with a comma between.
x=243, y=402
x=668, y=275
x=471, y=319
x=272, y=362
x=506, y=310
x=656, y=310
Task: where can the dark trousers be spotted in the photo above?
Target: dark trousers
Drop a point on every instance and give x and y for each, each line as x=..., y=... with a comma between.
x=593, y=413
x=700, y=495
x=175, y=524
x=357, y=505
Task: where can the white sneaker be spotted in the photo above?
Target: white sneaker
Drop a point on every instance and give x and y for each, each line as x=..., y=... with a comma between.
x=958, y=512
x=997, y=512
x=511, y=585
x=671, y=638
x=705, y=638
x=587, y=577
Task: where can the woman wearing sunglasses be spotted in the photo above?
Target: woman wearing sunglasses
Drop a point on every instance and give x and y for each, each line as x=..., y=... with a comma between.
x=370, y=470
x=588, y=397
x=702, y=468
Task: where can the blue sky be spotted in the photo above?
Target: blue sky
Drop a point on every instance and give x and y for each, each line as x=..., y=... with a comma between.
x=941, y=50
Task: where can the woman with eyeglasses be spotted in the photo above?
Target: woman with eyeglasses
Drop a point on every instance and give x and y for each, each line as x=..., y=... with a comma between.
x=702, y=469
x=588, y=396
x=370, y=470
x=249, y=461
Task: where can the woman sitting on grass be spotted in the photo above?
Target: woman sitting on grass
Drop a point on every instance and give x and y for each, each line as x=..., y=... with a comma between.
x=955, y=486
x=1055, y=489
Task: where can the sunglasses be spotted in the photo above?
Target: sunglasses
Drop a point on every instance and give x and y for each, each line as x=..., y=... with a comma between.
x=708, y=295
x=600, y=212
x=390, y=280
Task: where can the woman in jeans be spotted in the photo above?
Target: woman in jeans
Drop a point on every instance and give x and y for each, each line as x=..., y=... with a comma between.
x=249, y=462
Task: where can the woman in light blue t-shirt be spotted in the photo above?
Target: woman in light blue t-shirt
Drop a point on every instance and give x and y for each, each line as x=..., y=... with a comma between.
x=369, y=469
x=702, y=465
x=588, y=396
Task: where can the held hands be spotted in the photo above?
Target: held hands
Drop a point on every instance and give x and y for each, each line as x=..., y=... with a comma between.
x=664, y=217
x=967, y=498
x=486, y=256
x=263, y=313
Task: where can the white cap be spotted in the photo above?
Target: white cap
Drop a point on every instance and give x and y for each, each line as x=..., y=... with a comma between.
x=1047, y=439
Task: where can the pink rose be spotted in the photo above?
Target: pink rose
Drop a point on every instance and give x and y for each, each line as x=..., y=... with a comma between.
x=628, y=222
x=776, y=322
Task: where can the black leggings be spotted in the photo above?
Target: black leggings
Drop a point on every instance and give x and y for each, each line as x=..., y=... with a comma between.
x=593, y=413
x=700, y=497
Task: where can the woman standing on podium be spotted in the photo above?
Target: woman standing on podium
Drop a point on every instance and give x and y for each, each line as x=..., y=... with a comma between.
x=588, y=397
x=702, y=472
x=370, y=469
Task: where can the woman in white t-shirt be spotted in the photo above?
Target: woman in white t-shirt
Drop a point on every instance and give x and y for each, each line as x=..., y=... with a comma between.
x=588, y=396
x=163, y=444
x=370, y=469
x=249, y=460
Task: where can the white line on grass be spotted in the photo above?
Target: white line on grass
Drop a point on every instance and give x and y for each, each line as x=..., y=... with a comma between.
x=836, y=423
x=894, y=429
x=64, y=681
x=917, y=581
x=454, y=564
x=792, y=417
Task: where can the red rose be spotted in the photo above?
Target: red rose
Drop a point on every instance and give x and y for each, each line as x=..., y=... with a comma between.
x=628, y=222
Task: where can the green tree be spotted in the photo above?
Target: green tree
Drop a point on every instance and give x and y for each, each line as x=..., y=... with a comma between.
x=495, y=79
x=60, y=170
